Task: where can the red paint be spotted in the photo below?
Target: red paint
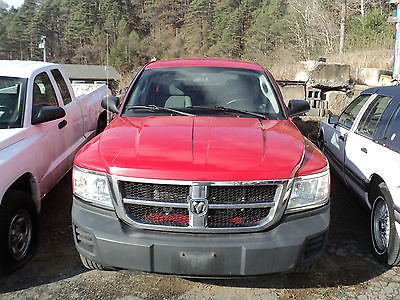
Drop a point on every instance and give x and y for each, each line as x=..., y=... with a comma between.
x=223, y=149
x=178, y=218
x=226, y=63
x=202, y=148
x=313, y=159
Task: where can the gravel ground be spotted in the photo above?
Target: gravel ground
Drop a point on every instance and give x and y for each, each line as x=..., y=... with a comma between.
x=347, y=270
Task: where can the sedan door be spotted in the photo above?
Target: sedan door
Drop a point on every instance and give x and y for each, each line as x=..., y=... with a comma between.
x=361, y=149
x=335, y=136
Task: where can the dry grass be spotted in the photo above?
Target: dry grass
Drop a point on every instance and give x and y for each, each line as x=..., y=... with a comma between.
x=284, y=63
x=380, y=58
x=285, y=66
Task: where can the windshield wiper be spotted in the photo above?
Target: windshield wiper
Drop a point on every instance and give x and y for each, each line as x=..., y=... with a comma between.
x=158, y=108
x=228, y=109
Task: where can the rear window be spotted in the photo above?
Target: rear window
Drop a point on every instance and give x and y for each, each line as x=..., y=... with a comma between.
x=184, y=88
x=62, y=86
x=372, y=116
x=392, y=133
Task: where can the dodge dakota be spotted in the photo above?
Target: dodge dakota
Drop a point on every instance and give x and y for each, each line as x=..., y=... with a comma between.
x=202, y=173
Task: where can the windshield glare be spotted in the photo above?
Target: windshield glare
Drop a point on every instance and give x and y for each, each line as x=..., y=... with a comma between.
x=185, y=88
x=11, y=101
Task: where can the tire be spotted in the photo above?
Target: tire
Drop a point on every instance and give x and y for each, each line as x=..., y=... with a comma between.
x=305, y=269
x=18, y=230
x=90, y=264
x=101, y=123
x=385, y=239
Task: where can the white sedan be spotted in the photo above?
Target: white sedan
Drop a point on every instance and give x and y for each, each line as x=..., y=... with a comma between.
x=363, y=148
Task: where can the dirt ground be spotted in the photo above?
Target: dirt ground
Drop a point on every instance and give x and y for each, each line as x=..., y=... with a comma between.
x=347, y=269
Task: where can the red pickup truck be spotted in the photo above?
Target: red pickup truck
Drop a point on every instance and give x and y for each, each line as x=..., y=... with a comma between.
x=202, y=173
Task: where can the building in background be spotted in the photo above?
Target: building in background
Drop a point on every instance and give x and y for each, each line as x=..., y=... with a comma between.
x=87, y=77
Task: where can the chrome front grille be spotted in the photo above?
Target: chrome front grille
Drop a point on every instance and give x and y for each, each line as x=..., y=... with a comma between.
x=199, y=206
x=157, y=215
x=234, y=218
x=241, y=194
x=154, y=192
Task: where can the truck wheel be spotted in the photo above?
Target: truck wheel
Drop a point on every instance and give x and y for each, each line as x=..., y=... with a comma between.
x=101, y=123
x=91, y=265
x=305, y=269
x=320, y=142
x=385, y=238
x=18, y=230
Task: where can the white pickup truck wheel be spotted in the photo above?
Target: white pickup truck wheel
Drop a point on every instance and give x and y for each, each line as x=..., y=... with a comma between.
x=18, y=230
x=385, y=238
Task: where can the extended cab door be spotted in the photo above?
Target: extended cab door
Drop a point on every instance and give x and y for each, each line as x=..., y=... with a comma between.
x=51, y=145
x=336, y=140
x=362, y=152
x=73, y=132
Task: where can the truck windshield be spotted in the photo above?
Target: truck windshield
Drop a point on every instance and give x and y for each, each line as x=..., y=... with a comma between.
x=12, y=94
x=208, y=91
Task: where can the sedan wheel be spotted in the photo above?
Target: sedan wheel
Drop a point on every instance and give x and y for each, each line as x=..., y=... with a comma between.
x=385, y=239
x=380, y=225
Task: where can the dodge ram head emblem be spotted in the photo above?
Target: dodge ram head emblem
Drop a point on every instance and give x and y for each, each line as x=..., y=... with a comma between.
x=198, y=207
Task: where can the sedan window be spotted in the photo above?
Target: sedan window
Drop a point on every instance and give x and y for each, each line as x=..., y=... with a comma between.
x=348, y=116
x=372, y=116
x=392, y=132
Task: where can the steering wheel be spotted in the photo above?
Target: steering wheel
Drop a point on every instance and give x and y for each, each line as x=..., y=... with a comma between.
x=4, y=110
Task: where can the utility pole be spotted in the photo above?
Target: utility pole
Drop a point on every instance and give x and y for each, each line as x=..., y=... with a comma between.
x=42, y=45
x=342, y=26
x=396, y=19
x=362, y=8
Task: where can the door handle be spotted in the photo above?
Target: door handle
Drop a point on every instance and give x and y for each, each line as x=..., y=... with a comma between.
x=364, y=150
x=62, y=124
x=342, y=138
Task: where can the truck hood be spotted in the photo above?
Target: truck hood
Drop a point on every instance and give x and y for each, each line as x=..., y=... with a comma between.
x=11, y=136
x=196, y=149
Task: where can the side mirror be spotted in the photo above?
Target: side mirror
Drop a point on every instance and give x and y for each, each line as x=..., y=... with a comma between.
x=333, y=120
x=47, y=113
x=297, y=107
x=110, y=103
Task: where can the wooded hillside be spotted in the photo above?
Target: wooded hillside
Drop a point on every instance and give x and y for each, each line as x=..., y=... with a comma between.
x=138, y=30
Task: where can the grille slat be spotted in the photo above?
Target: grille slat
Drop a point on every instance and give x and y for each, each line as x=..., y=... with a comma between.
x=154, y=192
x=245, y=217
x=154, y=215
x=241, y=194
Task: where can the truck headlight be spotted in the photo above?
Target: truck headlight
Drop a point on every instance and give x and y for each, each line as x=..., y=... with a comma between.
x=309, y=192
x=91, y=186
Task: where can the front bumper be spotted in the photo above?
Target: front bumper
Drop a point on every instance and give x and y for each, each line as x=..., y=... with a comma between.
x=298, y=241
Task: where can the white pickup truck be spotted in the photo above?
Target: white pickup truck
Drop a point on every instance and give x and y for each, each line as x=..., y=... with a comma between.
x=42, y=126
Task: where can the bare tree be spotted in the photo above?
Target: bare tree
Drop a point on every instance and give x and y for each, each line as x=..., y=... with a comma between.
x=313, y=24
